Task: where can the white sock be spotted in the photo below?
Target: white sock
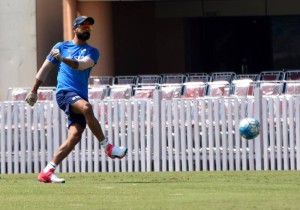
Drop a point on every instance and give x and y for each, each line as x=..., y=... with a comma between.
x=104, y=143
x=49, y=166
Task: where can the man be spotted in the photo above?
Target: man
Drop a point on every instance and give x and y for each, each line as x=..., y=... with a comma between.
x=75, y=60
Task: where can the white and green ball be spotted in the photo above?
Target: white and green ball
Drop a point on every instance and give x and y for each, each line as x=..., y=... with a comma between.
x=249, y=128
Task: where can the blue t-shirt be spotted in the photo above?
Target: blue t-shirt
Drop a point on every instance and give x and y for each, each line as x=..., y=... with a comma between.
x=69, y=78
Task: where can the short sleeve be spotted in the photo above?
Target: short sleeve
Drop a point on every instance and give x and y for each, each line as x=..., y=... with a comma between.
x=56, y=46
x=94, y=54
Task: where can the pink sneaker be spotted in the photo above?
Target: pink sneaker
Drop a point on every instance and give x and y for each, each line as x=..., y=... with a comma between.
x=49, y=177
x=115, y=152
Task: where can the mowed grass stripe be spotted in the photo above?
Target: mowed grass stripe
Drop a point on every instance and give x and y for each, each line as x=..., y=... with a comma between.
x=154, y=190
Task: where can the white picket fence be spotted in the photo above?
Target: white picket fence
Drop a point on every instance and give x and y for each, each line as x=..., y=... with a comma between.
x=176, y=135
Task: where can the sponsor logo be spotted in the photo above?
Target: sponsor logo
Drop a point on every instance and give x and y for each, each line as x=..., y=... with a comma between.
x=78, y=57
x=75, y=97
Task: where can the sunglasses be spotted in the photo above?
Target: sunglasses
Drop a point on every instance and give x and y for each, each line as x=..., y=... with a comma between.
x=85, y=27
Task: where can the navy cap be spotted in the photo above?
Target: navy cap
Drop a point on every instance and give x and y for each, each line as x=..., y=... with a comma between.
x=81, y=19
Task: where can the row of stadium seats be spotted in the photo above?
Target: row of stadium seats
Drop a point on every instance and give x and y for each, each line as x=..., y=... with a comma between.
x=192, y=85
x=193, y=77
x=242, y=87
x=19, y=93
x=195, y=85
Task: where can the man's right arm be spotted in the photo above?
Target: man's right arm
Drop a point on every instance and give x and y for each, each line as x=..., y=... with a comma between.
x=42, y=74
x=82, y=64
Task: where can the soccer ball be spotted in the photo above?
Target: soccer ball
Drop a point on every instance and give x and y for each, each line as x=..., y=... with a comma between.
x=249, y=128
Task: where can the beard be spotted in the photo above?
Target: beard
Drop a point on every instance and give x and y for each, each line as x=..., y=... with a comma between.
x=84, y=35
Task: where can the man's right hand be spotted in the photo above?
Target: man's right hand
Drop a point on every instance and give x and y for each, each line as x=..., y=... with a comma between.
x=31, y=98
x=56, y=54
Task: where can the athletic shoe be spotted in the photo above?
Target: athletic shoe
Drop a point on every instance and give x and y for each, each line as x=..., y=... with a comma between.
x=49, y=177
x=115, y=152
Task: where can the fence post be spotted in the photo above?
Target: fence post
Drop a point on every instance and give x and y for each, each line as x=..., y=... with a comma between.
x=156, y=129
x=258, y=140
x=297, y=119
x=2, y=139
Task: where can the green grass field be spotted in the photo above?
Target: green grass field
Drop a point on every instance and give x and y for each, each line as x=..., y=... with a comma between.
x=155, y=190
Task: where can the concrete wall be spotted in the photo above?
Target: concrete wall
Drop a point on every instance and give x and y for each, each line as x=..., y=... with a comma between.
x=147, y=44
x=34, y=26
x=225, y=8
x=134, y=38
x=17, y=44
x=49, y=21
x=101, y=35
x=170, y=46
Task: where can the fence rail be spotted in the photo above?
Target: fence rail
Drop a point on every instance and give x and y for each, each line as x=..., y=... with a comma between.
x=161, y=135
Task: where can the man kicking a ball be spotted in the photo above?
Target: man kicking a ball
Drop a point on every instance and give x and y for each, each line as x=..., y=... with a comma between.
x=75, y=60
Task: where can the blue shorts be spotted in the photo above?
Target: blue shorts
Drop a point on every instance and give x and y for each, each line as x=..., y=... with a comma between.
x=64, y=99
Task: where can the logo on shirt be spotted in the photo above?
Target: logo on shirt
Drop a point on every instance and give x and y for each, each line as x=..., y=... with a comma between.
x=75, y=97
x=81, y=55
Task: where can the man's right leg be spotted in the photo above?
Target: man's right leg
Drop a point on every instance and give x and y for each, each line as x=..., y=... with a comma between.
x=47, y=174
x=85, y=108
